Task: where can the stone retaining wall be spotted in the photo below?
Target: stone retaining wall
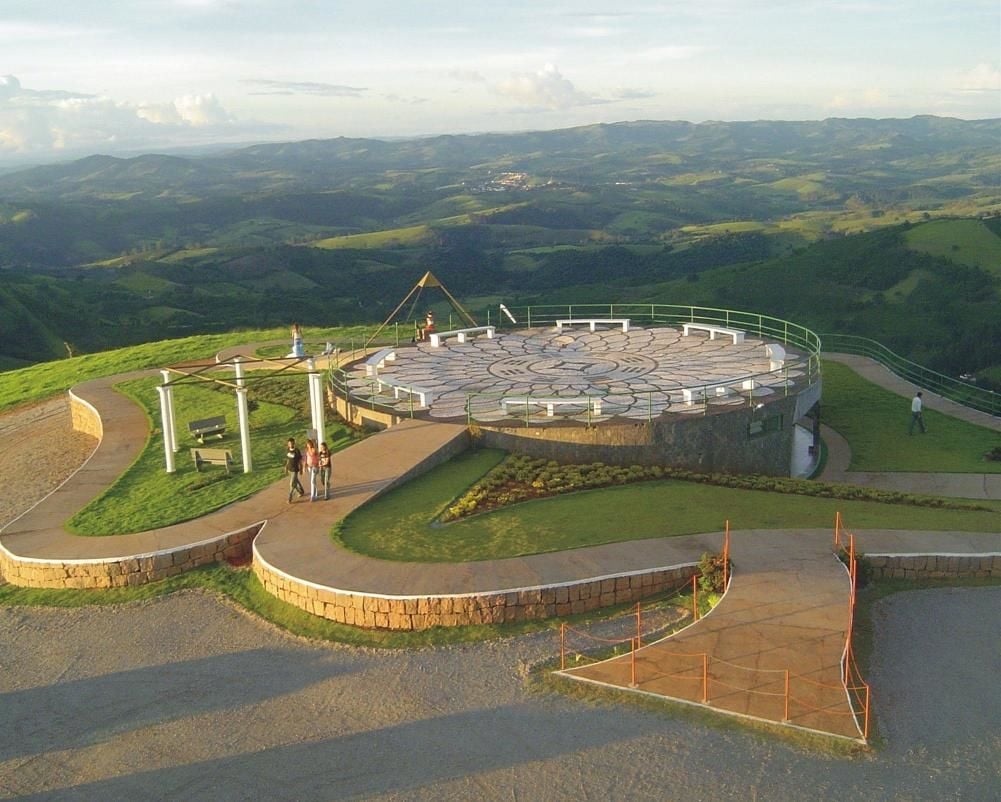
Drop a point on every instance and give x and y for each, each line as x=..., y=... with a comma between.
x=130, y=571
x=934, y=566
x=84, y=417
x=718, y=442
x=411, y=613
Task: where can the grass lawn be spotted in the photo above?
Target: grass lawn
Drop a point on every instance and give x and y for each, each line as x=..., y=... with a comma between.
x=146, y=496
x=875, y=421
x=46, y=379
x=400, y=525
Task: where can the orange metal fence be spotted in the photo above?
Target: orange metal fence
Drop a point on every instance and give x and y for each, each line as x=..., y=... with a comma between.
x=859, y=691
x=709, y=671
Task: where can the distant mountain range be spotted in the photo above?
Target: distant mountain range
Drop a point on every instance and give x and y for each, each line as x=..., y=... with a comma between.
x=638, y=150
x=884, y=228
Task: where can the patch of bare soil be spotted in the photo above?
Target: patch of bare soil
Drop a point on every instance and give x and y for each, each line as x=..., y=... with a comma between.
x=186, y=698
x=39, y=452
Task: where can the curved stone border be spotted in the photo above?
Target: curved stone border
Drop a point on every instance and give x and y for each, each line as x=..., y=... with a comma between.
x=85, y=417
x=934, y=566
x=127, y=571
x=505, y=606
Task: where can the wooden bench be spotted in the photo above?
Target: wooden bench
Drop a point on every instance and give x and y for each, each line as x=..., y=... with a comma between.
x=713, y=329
x=593, y=322
x=424, y=397
x=212, y=456
x=208, y=428
x=438, y=337
x=776, y=356
x=591, y=402
x=378, y=360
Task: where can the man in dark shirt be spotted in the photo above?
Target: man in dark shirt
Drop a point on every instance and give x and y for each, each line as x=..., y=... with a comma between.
x=293, y=467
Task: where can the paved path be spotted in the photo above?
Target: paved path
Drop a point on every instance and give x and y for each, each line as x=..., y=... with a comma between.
x=950, y=485
x=787, y=607
x=871, y=370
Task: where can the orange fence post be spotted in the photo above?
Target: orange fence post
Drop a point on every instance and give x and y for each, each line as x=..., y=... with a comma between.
x=837, y=530
x=695, y=598
x=563, y=646
x=639, y=626
x=632, y=663
x=865, y=721
x=786, y=716
x=726, y=555
x=705, y=678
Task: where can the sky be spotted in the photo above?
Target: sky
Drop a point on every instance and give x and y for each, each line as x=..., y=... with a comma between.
x=117, y=77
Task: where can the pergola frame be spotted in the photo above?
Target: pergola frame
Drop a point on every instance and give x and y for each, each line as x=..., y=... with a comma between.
x=196, y=372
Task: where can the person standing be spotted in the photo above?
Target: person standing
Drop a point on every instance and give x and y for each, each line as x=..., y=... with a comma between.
x=916, y=414
x=293, y=467
x=313, y=466
x=325, y=470
x=297, y=347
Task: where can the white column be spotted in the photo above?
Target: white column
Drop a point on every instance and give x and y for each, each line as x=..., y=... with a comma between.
x=311, y=386
x=238, y=367
x=244, y=416
x=318, y=423
x=169, y=430
x=168, y=451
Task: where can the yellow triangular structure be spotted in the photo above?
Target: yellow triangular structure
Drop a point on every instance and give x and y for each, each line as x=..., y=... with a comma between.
x=427, y=280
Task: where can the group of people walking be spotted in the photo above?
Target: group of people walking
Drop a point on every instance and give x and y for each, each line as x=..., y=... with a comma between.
x=316, y=462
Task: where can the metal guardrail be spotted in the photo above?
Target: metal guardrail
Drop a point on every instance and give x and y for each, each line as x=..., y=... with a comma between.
x=666, y=315
x=969, y=395
x=763, y=326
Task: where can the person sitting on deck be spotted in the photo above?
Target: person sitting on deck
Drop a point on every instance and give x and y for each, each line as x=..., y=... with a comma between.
x=428, y=330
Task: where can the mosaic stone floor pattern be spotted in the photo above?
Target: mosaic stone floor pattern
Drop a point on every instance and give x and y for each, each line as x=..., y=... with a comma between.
x=636, y=374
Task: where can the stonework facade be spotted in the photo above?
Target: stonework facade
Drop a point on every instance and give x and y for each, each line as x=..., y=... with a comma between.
x=130, y=571
x=934, y=566
x=412, y=613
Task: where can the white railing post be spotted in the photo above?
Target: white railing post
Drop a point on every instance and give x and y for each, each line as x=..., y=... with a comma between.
x=243, y=414
x=168, y=451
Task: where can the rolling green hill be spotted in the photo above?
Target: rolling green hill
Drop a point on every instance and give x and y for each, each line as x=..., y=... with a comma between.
x=882, y=228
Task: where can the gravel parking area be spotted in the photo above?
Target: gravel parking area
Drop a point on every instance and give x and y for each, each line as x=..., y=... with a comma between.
x=188, y=698
x=40, y=451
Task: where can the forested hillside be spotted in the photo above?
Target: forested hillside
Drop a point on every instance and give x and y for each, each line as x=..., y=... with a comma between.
x=882, y=228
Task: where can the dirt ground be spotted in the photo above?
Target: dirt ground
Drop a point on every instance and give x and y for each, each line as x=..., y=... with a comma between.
x=39, y=452
x=189, y=698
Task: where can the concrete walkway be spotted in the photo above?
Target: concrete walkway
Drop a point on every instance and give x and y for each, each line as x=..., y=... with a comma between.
x=871, y=370
x=949, y=485
x=786, y=609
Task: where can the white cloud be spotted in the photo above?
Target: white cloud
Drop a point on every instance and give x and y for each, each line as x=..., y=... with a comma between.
x=865, y=99
x=625, y=93
x=466, y=76
x=657, y=55
x=982, y=78
x=271, y=87
x=36, y=121
x=546, y=88
x=201, y=110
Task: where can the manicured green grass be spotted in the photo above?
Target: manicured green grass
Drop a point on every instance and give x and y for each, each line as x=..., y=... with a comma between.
x=147, y=497
x=400, y=525
x=875, y=422
x=45, y=379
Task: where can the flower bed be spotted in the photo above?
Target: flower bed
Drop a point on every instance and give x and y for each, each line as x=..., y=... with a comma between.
x=521, y=478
